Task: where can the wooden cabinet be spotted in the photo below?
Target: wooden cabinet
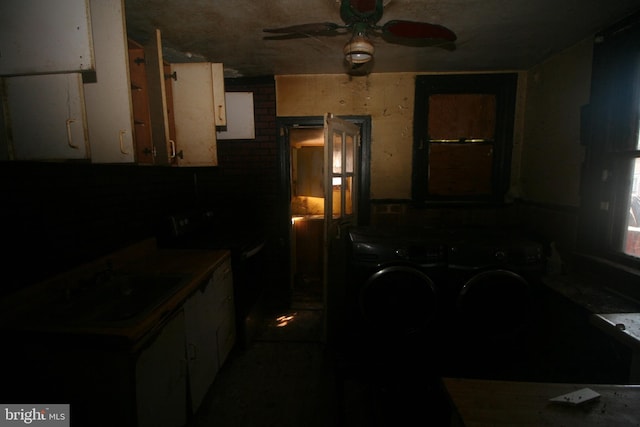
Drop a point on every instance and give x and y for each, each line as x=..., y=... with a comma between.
x=161, y=377
x=160, y=101
x=219, y=100
x=41, y=37
x=44, y=118
x=194, y=112
x=108, y=99
x=210, y=331
x=140, y=102
x=168, y=107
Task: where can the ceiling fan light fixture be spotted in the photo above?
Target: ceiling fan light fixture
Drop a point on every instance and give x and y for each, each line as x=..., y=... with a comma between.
x=358, y=50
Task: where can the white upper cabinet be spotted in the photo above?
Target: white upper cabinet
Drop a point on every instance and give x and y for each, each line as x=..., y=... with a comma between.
x=38, y=37
x=108, y=99
x=44, y=117
x=219, y=100
x=194, y=113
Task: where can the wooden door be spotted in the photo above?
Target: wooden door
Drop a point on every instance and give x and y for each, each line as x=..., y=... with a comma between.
x=159, y=99
x=341, y=141
x=140, y=100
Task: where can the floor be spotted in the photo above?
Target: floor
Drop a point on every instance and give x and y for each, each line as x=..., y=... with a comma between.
x=286, y=377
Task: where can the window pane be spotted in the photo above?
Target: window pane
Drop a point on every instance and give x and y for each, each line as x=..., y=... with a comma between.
x=337, y=153
x=460, y=169
x=350, y=151
x=467, y=115
x=337, y=200
x=349, y=195
x=632, y=235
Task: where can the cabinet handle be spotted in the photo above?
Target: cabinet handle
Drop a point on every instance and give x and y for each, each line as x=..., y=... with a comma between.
x=69, y=138
x=121, y=137
x=194, y=351
x=220, y=110
x=173, y=150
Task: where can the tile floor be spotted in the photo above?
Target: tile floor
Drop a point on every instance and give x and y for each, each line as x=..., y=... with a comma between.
x=287, y=378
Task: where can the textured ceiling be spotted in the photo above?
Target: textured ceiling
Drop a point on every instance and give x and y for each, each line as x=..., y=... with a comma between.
x=492, y=34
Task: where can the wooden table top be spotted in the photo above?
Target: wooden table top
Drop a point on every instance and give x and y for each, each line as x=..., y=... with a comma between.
x=507, y=403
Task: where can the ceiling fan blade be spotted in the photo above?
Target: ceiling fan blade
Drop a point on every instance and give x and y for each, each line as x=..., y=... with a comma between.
x=418, y=30
x=305, y=29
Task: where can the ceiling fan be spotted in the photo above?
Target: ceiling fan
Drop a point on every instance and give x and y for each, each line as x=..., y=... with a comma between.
x=361, y=18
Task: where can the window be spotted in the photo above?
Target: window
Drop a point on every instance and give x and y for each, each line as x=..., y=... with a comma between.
x=610, y=208
x=463, y=134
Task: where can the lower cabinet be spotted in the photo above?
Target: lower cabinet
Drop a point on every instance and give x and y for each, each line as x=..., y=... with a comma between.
x=210, y=331
x=161, y=378
x=181, y=360
x=161, y=381
x=157, y=381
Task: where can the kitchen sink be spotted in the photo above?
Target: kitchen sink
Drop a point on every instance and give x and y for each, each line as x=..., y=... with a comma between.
x=119, y=298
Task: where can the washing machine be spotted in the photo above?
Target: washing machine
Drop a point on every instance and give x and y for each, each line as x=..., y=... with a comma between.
x=393, y=285
x=492, y=298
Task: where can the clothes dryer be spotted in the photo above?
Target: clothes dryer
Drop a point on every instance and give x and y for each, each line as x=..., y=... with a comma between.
x=492, y=298
x=393, y=284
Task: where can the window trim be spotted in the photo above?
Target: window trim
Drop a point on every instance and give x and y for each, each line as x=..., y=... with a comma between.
x=504, y=86
x=610, y=134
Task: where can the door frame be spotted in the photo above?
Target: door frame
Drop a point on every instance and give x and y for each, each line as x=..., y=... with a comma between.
x=283, y=125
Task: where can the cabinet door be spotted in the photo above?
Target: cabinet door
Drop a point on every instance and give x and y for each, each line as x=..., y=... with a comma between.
x=202, y=351
x=224, y=310
x=45, y=37
x=219, y=100
x=45, y=117
x=108, y=100
x=158, y=99
x=168, y=75
x=161, y=381
x=194, y=115
x=140, y=101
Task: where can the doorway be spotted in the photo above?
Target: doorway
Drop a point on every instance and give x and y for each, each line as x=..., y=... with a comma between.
x=301, y=146
x=307, y=211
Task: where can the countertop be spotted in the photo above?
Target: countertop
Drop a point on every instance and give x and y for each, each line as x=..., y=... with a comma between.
x=612, y=313
x=585, y=291
x=21, y=311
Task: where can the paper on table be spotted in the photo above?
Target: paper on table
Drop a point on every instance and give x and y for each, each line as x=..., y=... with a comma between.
x=576, y=397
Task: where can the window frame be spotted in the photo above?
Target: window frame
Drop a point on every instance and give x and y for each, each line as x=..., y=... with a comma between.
x=610, y=131
x=504, y=87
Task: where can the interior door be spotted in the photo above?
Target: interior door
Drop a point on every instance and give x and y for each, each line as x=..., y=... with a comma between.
x=341, y=141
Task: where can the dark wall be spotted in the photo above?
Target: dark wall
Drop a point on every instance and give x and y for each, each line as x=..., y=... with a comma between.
x=59, y=215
